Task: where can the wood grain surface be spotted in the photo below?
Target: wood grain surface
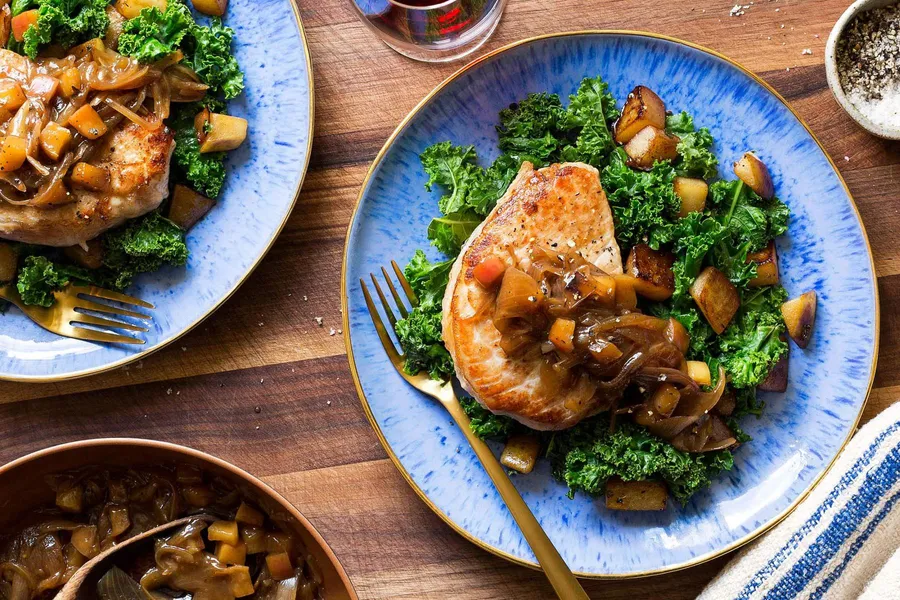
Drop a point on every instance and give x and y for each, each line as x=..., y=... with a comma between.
x=262, y=385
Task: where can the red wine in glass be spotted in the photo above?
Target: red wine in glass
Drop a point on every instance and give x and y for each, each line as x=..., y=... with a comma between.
x=435, y=30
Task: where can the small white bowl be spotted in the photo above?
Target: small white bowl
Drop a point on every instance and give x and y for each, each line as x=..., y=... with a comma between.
x=834, y=80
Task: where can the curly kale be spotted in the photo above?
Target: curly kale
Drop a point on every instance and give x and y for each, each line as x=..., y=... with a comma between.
x=753, y=341
x=142, y=246
x=486, y=424
x=203, y=172
x=420, y=333
x=63, y=22
x=695, y=156
x=585, y=456
x=38, y=279
x=154, y=34
x=209, y=54
x=644, y=204
x=472, y=192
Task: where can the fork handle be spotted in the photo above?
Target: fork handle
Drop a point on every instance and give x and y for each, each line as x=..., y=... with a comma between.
x=555, y=568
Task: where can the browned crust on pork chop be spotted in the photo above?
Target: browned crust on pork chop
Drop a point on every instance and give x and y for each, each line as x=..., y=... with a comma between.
x=138, y=163
x=560, y=206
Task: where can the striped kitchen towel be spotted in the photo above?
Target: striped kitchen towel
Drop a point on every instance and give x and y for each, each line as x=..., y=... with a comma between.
x=843, y=541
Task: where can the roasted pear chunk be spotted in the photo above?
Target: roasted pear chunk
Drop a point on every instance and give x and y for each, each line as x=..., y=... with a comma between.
x=652, y=272
x=643, y=108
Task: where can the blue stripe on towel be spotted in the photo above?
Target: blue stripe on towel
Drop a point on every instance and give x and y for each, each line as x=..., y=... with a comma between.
x=854, y=549
x=848, y=478
x=877, y=483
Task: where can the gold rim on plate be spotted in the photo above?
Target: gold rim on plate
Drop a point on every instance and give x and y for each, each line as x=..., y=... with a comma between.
x=160, y=345
x=346, y=311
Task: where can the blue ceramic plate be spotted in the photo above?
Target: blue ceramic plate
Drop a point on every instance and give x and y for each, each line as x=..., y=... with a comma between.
x=826, y=249
x=264, y=178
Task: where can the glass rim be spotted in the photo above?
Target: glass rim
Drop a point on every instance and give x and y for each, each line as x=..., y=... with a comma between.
x=437, y=4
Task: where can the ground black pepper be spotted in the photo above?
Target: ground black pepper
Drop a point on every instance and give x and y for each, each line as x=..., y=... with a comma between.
x=868, y=53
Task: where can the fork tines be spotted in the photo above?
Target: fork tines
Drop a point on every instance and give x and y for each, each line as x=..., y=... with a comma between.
x=89, y=310
x=409, y=295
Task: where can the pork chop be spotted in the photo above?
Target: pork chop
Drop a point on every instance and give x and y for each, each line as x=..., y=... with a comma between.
x=561, y=206
x=137, y=161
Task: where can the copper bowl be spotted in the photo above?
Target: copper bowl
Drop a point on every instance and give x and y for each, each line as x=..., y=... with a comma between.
x=23, y=488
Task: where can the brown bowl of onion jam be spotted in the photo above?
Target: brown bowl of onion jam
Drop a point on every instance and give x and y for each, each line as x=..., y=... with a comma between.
x=62, y=506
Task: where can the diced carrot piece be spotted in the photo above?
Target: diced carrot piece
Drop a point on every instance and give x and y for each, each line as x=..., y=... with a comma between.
x=21, y=22
x=489, y=272
x=69, y=82
x=12, y=153
x=562, y=334
x=43, y=87
x=88, y=176
x=55, y=140
x=88, y=122
x=249, y=516
x=223, y=531
x=280, y=565
x=12, y=97
x=231, y=555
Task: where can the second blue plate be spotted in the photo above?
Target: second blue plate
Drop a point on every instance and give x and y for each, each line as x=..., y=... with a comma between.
x=800, y=432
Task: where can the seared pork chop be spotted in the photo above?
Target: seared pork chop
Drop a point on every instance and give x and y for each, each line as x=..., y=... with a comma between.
x=561, y=206
x=137, y=161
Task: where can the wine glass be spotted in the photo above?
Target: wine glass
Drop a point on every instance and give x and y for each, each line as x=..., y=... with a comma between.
x=432, y=30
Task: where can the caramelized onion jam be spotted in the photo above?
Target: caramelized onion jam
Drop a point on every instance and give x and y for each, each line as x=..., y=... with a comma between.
x=585, y=326
x=245, y=553
x=57, y=110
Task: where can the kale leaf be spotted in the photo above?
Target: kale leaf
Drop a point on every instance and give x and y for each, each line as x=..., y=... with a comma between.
x=141, y=246
x=420, y=333
x=203, y=172
x=154, y=34
x=472, y=192
x=753, y=342
x=63, y=22
x=486, y=424
x=210, y=56
x=37, y=280
x=591, y=110
x=644, y=204
x=585, y=456
x=534, y=129
x=695, y=156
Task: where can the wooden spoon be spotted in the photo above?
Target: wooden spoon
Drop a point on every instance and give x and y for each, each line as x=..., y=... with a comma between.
x=72, y=587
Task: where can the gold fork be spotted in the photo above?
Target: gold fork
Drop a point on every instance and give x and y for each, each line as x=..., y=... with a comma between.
x=73, y=310
x=561, y=577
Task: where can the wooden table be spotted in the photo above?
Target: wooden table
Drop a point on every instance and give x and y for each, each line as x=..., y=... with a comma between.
x=262, y=385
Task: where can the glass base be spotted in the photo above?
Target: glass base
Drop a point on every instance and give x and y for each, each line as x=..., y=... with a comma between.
x=440, y=55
